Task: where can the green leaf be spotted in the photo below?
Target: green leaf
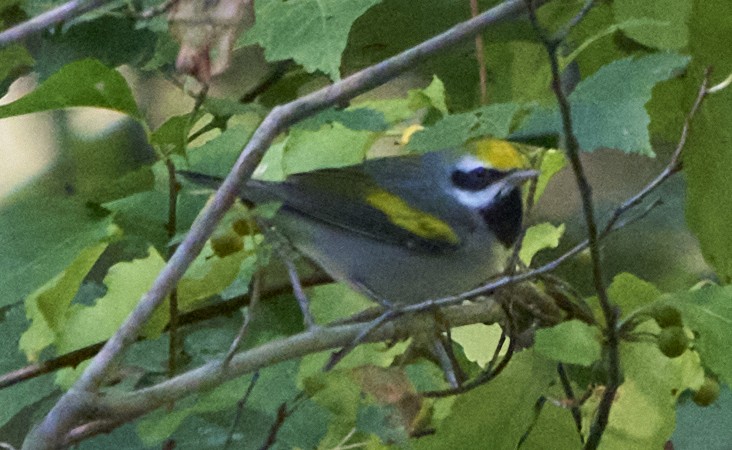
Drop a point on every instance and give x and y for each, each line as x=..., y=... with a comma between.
x=519, y=71
x=15, y=398
x=172, y=136
x=643, y=413
x=539, y=237
x=608, y=106
x=357, y=118
x=217, y=156
x=480, y=418
x=81, y=83
x=478, y=341
x=239, y=285
x=706, y=159
x=313, y=33
x=572, y=342
x=145, y=215
x=334, y=301
x=669, y=30
x=113, y=41
x=380, y=421
x=708, y=312
x=552, y=162
x=14, y=60
x=41, y=234
x=331, y=146
x=209, y=275
x=631, y=294
x=433, y=96
x=47, y=307
x=457, y=129
x=556, y=425
x=126, y=283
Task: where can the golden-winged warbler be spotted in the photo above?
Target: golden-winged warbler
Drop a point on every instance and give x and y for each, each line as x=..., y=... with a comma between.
x=403, y=229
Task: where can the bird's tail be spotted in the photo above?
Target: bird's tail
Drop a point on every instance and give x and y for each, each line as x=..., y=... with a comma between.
x=200, y=178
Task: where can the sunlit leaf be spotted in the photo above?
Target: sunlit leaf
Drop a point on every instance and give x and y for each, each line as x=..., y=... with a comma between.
x=572, y=342
x=539, y=237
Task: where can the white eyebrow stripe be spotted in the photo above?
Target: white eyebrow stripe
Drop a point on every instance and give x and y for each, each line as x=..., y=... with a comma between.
x=468, y=163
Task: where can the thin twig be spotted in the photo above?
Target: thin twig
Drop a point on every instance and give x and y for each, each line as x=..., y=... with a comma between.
x=171, y=227
x=298, y=291
x=240, y=410
x=374, y=325
x=61, y=13
x=480, y=56
x=487, y=375
x=282, y=414
x=244, y=330
x=569, y=394
x=574, y=21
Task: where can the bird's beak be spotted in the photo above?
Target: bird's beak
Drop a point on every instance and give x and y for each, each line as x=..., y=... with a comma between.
x=519, y=177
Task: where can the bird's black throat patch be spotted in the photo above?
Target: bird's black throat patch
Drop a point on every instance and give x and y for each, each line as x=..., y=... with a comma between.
x=503, y=217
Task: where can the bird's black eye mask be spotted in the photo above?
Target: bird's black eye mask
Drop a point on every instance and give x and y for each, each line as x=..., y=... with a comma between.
x=476, y=179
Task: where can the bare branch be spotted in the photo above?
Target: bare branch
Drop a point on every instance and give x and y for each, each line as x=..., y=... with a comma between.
x=111, y=407
x=61, y=13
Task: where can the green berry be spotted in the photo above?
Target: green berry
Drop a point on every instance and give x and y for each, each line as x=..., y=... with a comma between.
x=707, y=393
x=226, y=243
x=667, y=316
x=672, y=341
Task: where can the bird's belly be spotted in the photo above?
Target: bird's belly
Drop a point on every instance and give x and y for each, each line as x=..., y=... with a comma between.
x=394, y=273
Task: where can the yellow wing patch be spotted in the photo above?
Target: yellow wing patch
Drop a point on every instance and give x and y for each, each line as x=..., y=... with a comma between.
x=499, y=154
x=413, y=220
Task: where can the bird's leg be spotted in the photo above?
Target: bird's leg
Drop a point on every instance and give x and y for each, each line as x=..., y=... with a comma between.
x=299, y=292
x=255, y=290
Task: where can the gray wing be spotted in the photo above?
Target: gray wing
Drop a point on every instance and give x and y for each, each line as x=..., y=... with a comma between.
x=337, y=197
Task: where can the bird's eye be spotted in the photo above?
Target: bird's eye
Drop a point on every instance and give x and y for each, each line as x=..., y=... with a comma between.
x=476, y=179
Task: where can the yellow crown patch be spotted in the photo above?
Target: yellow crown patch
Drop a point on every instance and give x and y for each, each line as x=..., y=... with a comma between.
x=499, y=154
